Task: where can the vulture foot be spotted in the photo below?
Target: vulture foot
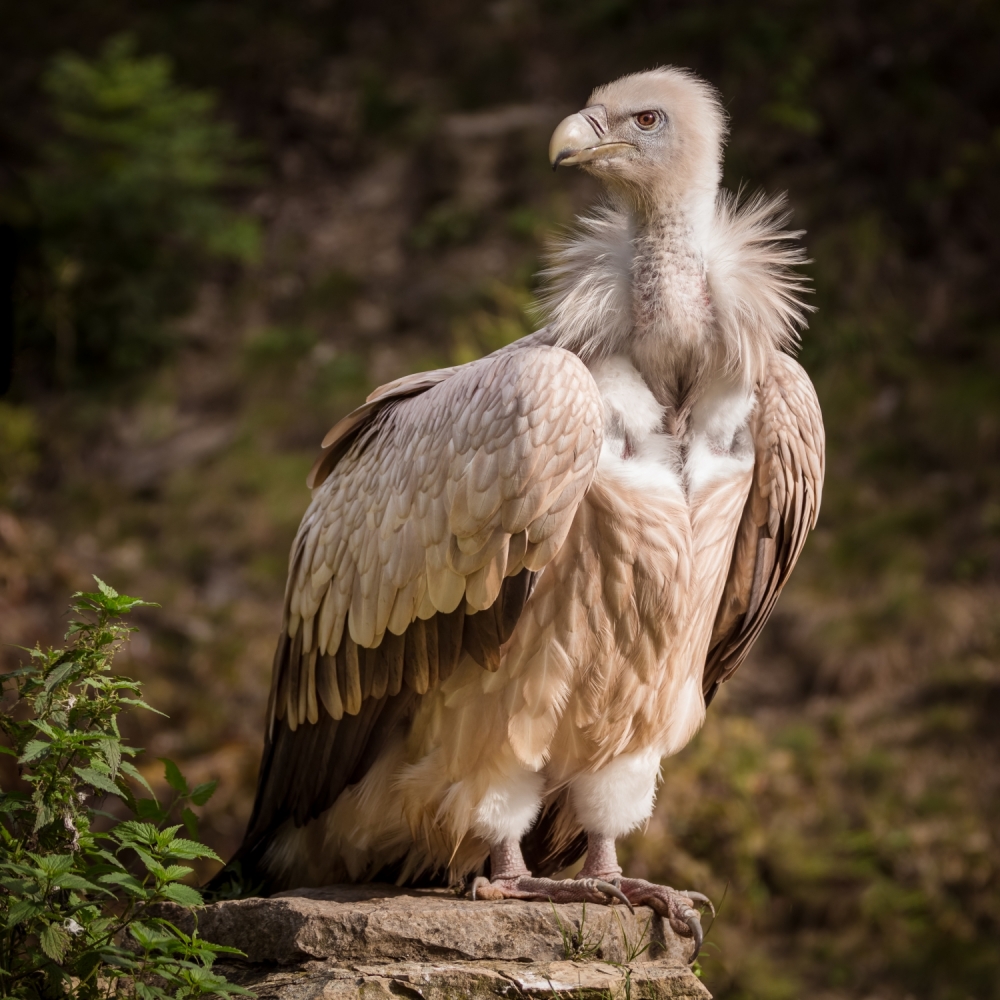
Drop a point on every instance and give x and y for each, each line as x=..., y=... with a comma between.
x=568, y=890
x=677, y=906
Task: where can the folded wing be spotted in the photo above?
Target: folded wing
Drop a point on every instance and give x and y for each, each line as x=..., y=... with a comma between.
x=780, y=512
x=434, y=505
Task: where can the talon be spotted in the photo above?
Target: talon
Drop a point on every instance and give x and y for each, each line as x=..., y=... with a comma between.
x=693, y=921
x=699, y=897
x=612, y=890
x=483, y=888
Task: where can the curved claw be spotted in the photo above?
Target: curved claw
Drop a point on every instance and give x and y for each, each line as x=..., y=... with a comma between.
x=612, y=890
x=699, y=897
x=693, y=921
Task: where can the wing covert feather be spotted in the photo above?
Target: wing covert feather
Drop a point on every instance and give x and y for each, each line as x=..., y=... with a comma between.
x=425, y=500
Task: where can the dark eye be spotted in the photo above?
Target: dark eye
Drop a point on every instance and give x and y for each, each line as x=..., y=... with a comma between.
x=647, y=119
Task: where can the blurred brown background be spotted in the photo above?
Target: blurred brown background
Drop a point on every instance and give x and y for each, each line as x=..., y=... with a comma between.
x=220, y=229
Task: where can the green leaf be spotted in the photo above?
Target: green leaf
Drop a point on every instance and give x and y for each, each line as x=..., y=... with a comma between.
x=104, y=588
x=33, y=749
x=98, y=780
x=13, y=802
x=59, y=674
x=174, y=872
x=50, y=865
x=23, y=909
x=183, y=894
x=109, y=858
x=150, y=992
x=111, y=749
x=133, y=772
x=152, y=865
x=203, y=792
x=139, y=703
x=190, y=822
x=174, y=777
x=189, y=849
x=150, y=809
x=128, y=882
x=43, y=817
x=71, y=881
x=133, y=831
x=55, y=942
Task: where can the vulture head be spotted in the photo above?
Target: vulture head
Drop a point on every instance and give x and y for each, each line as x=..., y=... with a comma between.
x=655, y=137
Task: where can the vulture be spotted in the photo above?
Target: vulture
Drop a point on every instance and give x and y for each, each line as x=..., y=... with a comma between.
x=521, y=580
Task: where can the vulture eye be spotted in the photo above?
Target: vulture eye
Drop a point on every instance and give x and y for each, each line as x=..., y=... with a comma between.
x=647, y=120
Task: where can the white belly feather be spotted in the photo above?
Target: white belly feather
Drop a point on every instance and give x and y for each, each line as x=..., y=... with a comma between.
x=637, y=450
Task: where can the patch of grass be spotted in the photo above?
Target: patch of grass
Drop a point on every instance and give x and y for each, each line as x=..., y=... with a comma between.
x=578, y=944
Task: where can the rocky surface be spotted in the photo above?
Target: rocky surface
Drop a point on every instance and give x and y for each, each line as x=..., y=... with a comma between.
x=375, y=941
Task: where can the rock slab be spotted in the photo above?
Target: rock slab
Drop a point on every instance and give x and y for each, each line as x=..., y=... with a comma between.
x=380, y=941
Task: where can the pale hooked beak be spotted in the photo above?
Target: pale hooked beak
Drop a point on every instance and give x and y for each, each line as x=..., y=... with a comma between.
x=582, y=137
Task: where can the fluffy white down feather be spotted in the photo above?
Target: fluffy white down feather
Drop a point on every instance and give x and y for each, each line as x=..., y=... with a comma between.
x=619, y=797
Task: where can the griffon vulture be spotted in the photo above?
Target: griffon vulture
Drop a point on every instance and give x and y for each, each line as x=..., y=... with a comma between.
x=521, y=580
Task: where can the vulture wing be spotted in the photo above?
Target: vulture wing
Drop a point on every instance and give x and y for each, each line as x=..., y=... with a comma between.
x=780, y=512
x=434, y=505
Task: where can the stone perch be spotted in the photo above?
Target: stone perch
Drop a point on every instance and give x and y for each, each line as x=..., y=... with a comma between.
x=380, y=941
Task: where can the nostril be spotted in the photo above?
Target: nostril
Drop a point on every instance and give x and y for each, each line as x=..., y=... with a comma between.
x=596, y=116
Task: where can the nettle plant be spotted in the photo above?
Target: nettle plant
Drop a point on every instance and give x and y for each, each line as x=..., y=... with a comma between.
x=78, y=885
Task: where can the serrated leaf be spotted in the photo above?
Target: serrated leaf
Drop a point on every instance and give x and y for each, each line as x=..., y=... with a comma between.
x=133, y=772
x=152, y=865
x=203, y=792
x=135, y=830
x=128, y=882
x=59, y=674
x=174, y=872
x=23, y=909
x=51, y=865
x=111, y=749
x=109, y=858
x=43, y=817
x=183, y=894
x=139, y=703
x=174, y=778
x=97, y=780
x=71, y=881
x=33, y=749
x=189, y=849
x=105, y=589
x=55, y=942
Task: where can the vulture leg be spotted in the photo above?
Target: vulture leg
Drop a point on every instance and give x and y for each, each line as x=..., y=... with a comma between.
x=599, y=881
x=512, y=880
x=676, y=905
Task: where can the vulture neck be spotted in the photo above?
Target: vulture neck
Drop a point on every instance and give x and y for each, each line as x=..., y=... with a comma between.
x=673, y=344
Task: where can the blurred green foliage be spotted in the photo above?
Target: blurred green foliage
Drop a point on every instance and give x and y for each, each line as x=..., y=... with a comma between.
x=127, y=207
x=18, y=450
x=500, y=315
